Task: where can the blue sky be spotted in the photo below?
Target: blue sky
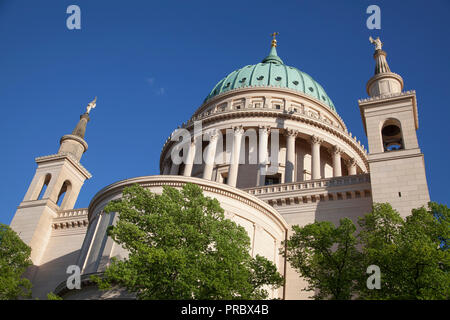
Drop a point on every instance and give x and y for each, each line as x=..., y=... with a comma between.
x=151, y=64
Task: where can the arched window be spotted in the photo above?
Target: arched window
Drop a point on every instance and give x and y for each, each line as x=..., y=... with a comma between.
x=64, y=193
x=392, y=136
x=44, y=186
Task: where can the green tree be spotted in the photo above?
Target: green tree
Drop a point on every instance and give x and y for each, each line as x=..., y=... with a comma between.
x=411, y=253
x=326, y=256
x=52, y=296
x=181, y=247
x=14, y=261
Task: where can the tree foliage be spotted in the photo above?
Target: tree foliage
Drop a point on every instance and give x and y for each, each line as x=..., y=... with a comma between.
x=52, y=296
x=14, y=261
x=413, y=261
x=181, y=247
x=326, y=256
x=412, y=255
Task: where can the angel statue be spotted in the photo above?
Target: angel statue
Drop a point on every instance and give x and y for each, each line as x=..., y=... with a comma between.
x=91, y=105
x=377, y=42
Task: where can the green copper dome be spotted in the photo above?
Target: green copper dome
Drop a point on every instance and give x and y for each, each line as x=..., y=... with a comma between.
x=272, y=72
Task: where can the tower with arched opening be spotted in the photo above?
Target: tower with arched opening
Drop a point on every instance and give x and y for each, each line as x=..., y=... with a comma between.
x=54, y=188
x=396, y=164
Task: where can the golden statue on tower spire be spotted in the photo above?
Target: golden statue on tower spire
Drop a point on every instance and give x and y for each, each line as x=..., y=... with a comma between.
x=274, y=41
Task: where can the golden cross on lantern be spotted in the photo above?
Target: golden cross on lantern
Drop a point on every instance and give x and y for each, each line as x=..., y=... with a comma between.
x=274, y=41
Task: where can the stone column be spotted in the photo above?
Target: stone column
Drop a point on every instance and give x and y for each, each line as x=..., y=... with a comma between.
x=263, y=154
x=351, y=165
x=315, y=157
x=235, y=153
x=210, y=155
x=190, y=159
x=336, y=154
x=290, y=156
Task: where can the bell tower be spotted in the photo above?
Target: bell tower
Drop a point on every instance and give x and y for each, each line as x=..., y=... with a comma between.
x=55, y=186
x=397, y=168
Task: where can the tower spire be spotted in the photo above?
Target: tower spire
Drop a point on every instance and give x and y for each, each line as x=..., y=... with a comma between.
x=274, y=40
x=74, y=144
x=379, y=55
x=273, y=56
x=55, y=187
x=80, y=129
x=384, y=81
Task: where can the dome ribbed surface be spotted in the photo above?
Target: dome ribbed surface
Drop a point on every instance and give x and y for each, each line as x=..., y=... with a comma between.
x=272, y=72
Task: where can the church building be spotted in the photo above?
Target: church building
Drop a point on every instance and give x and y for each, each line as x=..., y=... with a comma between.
x=271, y=148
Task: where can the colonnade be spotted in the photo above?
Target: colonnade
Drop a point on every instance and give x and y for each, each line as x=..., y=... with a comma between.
x=263, y=157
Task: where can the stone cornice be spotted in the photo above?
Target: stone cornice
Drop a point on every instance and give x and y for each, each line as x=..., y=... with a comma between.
x=384, y=75
x=314, y=190
x=76, y=138
x=66, y=156
x=36, y=203
x=179, y=181
x=310, y=184
x=395, y=154
x=270, y=93
x=388, y=98
x=260, y=90
x=73, y=218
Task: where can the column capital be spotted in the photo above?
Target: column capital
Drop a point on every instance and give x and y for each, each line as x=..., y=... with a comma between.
x=195, y=138
x=291, y=132
x=316, y=139
x=351, y=165
x=336, y=150
x=264, y=128
x=350, y=162
x=238, y=130
x=211, y=135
